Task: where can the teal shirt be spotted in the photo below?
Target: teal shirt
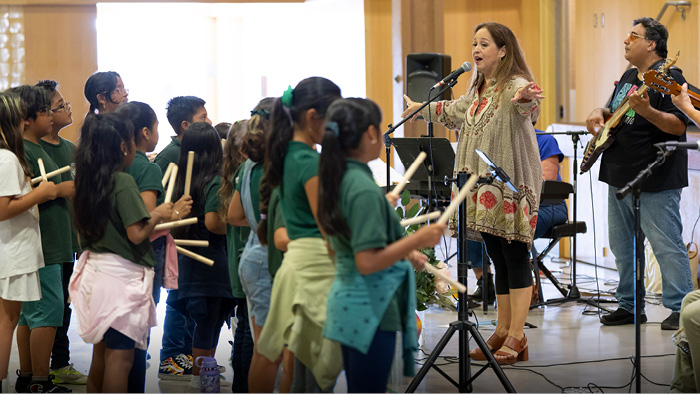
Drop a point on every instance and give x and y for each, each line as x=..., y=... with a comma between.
x=359, y=304
x=54, y=217
x=169, y=154
x=63, y=154
x=300, y=165
x=147, y=175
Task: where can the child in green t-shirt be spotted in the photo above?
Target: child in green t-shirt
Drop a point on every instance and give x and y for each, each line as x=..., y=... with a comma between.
x=373, y=294
x=20, y=251
x=39, y=319
x=116, y=271
x=105, y=92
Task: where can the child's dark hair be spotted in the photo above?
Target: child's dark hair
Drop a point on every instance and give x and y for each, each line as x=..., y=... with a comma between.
x=223, y=129
x=252, y=140
x=49, y=85
x=314, y=92
x=141, y=115
x=12, y=115
x=347, y=121
x=233, y=158
x=183, y=108
x=35, y=99
x=101, y=82
x=203, y=139
x=98, y=157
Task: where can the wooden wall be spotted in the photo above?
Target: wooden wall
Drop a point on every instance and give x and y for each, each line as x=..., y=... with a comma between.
x=61, y=44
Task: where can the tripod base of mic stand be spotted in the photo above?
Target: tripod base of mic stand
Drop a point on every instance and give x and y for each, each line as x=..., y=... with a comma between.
x=463, y=327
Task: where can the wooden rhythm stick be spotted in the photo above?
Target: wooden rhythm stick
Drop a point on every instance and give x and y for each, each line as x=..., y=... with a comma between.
x=176, y=223
x=42, y=169
x=191, y=242
x=436, y=272
x=166, y=176
x=420, y=219
x=195, y=256
x=171, y=185
x=50, y=174
x=409, y=173
x=458, y=200
x=188, y=174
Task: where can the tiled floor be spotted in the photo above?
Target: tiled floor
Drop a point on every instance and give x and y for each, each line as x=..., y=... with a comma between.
x=569, y=348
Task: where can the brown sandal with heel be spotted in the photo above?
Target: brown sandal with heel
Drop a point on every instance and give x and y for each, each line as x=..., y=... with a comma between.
x=494, y=341
x=519, y=346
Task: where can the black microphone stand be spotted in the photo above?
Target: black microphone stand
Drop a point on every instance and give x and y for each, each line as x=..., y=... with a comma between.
x=392, y=128
x=574, y=294
x=635, y=186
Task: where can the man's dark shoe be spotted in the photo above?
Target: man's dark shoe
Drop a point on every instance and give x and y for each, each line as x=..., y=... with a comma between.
x=620, y=317
x=22, y=383
x=478, y=294
x=671, y=322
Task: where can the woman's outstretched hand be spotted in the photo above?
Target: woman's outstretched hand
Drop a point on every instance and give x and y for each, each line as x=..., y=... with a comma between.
x=527, y=93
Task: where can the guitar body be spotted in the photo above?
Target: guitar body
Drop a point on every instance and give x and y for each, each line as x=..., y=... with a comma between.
x=596, y=146
x=606, y=134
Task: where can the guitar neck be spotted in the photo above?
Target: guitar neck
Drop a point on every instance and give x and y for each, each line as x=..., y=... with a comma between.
x=623, y=108
x=694, y=94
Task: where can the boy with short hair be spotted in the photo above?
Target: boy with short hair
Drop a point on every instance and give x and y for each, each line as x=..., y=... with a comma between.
x=182, y=111
x=38, y=319
x=176, y=351
x=62, y=151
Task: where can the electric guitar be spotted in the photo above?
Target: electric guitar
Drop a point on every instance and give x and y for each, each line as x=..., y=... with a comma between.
x=665, y=84
x=606, y=134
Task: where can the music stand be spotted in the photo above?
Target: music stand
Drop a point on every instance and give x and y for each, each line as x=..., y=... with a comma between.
x=440, y=162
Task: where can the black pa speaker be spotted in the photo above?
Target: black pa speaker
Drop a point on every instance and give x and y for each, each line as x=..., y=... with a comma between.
x=423, y=70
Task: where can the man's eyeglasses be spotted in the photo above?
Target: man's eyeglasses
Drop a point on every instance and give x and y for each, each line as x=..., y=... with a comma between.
x=634, y=36
x=61, y=108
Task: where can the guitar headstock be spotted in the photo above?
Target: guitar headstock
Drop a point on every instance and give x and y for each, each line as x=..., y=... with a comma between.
x=660, y=80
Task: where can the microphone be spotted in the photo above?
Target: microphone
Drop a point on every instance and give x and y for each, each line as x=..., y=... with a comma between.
x=679, y=145
x=466, y=66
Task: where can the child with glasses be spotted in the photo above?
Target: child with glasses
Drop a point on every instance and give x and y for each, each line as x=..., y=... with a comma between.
x=39, y=319
x=105, y=92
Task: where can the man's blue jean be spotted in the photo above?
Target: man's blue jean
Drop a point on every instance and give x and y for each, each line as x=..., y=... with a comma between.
x=661, y=224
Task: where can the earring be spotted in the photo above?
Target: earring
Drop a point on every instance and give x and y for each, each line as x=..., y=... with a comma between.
x=373, y=142
x=124, y=153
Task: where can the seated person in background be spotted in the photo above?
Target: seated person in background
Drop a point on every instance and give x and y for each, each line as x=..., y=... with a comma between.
x=550, y=215
x=551, y=156
x=686, y=375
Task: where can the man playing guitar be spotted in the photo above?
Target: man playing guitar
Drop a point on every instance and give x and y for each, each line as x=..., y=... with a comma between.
x=652, y=118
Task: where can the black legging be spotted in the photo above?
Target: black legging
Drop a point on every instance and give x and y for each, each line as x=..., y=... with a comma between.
x=511, y=261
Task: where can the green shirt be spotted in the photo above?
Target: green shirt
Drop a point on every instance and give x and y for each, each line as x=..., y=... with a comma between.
x=275, y=221
x=373, y=224
x=63, y=154
x=126, y=208
x=256, y=174
x=300, y=165
x=169, y=154
x=54, y=217
x=147, y=176
x=236, y=239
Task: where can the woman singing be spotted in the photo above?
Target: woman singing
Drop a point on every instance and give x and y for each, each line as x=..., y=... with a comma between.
x=496, y=116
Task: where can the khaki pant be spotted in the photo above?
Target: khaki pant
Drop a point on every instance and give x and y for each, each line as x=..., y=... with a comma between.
x=686, y=376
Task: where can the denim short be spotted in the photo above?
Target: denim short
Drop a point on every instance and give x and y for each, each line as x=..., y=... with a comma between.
x=256, y=282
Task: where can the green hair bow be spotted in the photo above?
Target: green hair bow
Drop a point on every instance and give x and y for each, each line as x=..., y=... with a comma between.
x=287, y=97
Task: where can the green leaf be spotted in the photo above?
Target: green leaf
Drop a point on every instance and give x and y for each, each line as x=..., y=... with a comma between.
x=413, y=210
x=405, y=197
x=399, y=211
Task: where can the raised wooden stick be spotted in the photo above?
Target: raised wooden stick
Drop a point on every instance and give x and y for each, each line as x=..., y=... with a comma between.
x=195, y=256
x=176, y=223
x=166, y=176
x=420, y=219
x=42, y=169
x=188, y=174
x=191, y=242
x=458, y=286
x=409, y=173
x=51, y=174
x=171, y=185
x=458, y=199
